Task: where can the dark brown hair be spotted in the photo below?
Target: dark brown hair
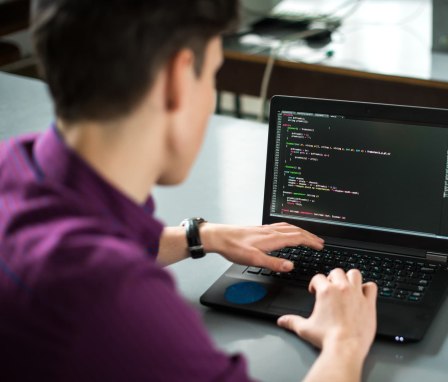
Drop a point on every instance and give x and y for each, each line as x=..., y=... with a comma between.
x=100, y=57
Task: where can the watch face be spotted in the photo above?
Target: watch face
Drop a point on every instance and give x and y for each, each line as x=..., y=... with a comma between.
x=196, y=219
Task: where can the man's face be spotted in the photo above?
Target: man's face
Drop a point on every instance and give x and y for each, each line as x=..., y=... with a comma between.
x=199, y=101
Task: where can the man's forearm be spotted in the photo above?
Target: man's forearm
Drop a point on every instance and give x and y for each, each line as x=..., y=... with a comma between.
x=336, y=364
x=173, y=246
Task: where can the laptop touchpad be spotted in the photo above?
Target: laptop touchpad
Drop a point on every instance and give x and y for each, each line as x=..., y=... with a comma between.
x=292, y=300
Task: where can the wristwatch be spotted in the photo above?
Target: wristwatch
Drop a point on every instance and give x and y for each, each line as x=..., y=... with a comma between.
x=195, y=246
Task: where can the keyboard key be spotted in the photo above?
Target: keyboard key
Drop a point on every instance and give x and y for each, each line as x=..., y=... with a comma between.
x=305, y=278
x=409, y=287
x=402, y=279
x=294, y=257
x=266, y=272
x=254, y=270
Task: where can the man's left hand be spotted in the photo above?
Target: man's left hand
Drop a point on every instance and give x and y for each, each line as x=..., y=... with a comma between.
x=251, y=245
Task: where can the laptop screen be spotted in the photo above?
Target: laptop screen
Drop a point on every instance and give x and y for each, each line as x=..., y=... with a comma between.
x=367, y=172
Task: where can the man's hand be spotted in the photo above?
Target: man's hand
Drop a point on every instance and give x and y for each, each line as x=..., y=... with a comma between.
x=342, y=324
x=250, y=245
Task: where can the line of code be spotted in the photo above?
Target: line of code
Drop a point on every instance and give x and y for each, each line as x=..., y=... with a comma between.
x=336, y=169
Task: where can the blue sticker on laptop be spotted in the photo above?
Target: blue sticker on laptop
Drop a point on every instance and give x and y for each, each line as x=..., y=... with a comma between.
x=246, y=292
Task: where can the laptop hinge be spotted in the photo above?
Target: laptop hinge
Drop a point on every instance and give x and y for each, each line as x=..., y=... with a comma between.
x=439, y=257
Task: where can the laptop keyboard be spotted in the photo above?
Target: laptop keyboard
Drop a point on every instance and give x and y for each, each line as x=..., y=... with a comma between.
x=397, y=278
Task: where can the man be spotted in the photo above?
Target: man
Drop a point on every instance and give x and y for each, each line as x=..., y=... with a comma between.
x=83, y=292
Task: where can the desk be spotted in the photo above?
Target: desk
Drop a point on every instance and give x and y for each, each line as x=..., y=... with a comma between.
x=226, y=186
x=382, y=53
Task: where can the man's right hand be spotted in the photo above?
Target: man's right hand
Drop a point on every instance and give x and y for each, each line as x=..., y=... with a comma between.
x=342, y=324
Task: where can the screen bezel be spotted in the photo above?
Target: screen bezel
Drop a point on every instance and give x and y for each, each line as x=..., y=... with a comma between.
x=361, y=110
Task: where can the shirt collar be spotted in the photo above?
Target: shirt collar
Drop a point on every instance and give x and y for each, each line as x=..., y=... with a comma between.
x=64, y=169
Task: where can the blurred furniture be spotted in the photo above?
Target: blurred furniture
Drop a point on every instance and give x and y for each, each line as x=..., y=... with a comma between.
x=381, y=53
x=14, y=16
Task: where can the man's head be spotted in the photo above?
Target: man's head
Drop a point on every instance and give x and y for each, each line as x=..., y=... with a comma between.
x=102, y=58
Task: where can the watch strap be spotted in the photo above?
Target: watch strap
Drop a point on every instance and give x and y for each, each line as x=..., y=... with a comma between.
x=195, y=246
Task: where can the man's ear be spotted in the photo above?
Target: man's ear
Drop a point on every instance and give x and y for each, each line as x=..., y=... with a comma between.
x=179, y=75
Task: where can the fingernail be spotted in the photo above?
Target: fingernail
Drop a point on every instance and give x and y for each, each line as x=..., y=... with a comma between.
x=287, y=266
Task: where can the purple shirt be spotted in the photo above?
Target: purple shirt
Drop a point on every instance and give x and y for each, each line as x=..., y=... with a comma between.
x=82, y=297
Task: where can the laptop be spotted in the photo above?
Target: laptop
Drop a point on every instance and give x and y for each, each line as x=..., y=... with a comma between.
x=372, y=180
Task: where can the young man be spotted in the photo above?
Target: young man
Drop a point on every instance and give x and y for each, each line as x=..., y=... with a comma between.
x=83, y=292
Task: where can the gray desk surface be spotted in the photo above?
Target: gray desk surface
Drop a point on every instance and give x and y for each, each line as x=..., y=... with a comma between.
x=226, y=186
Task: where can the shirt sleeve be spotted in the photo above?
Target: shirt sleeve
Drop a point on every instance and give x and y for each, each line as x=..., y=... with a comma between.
x=142, y=330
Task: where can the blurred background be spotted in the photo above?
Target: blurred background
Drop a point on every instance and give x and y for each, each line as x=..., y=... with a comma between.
x=389, y=51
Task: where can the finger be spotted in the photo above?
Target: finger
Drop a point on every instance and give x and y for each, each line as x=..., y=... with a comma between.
x=297, y=238
x=314, y=236
x=317, y=283
x=289, y=228
x=337, y=275
x=370, y=290
x=354, y=277
x=292, y=322
x=310, y=235
x=282, y=224
x=273, y=263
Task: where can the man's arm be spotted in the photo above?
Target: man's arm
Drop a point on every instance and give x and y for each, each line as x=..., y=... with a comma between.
x=342, y=324
x=241, y=245
x=338, y=363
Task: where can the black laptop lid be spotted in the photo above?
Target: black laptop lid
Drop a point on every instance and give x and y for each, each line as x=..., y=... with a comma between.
x=366, y=172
